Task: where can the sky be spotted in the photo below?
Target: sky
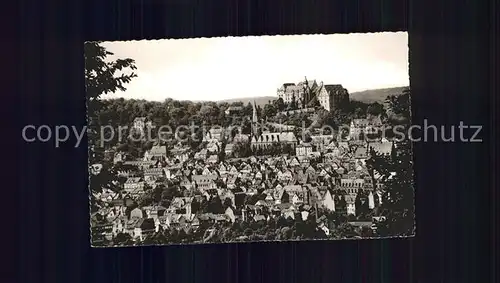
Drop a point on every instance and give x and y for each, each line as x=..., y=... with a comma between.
x=239, y=67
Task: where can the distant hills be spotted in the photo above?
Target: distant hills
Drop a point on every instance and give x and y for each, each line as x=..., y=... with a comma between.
x=259, y=100
x=366, y=96
x=376, y=95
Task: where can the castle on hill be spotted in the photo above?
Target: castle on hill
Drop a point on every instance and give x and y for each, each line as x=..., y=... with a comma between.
x=306, y=92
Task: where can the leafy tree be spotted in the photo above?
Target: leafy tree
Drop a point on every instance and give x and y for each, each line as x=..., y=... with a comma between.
x=209, y=113
x=286, y=233
x=361, y=204
x=293, y=104
x=400, y=105
x=173, y=236
x=181, y=236
x=281, y=222
x=375, y=109
x=340, y=203
x=248, y=109
x=397, y=177
x=242, y=149
x=105, y=179
x=122, y=239
x=248, y=232
x=234, y=132
x=228, y=235
x=358, y=113
x=345, y=230
x=102, y=77
x=279, y=104
x=366, y=232
x=398, y=197
x=324, y=117
x=341, y=117
x=215, y=205
x=354, y=104
x=158, y=192
x=168, y=193
x=246, y=127
x=269, y=110
x=307, y=137
x=227, y=203
x=315, y=103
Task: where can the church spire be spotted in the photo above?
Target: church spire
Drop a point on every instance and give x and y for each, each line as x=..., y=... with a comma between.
x=254, y=116
x=254, y=119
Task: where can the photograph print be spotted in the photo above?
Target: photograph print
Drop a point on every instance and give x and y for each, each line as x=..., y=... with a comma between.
x=249, y=139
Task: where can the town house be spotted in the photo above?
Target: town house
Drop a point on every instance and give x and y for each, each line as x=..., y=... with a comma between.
x=328, y=201
x=180, y=154
x=222, y=169
x=186, y=183
x=181, y=205
x=213, y=159
x=151, y=175
x=214, y=134
x=157, y=152
x=101, y=231
x=119, y=157
x=350, y=200
x=296, y=194
x=231, y=110
x=320, y=142
x=141, y=163
x=130, y=227
x=266, y=139
x=204, y=181
x=136, y=213
x=383, y=147
x=360, y=127
x=154, y=211
x=133, y=184
x=201, y=155
x=303, y=149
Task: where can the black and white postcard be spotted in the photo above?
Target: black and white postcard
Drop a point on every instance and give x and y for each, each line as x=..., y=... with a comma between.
x=249, y=139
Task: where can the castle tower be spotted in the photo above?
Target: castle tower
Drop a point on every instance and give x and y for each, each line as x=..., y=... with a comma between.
x=254, y=119
x=254, y=115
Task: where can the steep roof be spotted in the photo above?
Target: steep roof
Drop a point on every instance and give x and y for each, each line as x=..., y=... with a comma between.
x=275, y=137
x=204, y=178
x=310, y=83
x=153, y=171
x=133, y=180
x=360, y=122
x=361, y=152
x=158, y=150
x=137, y=119
x=334, y=88
x=382, y=147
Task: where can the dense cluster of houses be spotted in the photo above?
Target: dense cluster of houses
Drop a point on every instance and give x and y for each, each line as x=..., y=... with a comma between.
x=257, y=188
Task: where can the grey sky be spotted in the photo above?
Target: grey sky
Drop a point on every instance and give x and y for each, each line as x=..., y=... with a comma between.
x=232, y=67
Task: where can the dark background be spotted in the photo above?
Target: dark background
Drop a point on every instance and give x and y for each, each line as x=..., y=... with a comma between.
x=46, y=225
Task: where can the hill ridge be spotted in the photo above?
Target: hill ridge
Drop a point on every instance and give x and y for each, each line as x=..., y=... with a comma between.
x=376, y=95
x=366, y=96
x=259, y=100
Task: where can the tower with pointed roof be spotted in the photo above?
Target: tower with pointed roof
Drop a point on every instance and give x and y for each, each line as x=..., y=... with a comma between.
x=255, y=119
x=254, y=115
